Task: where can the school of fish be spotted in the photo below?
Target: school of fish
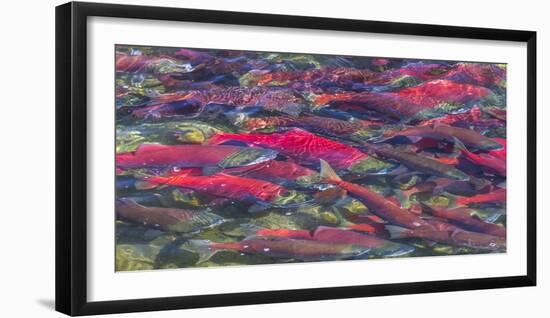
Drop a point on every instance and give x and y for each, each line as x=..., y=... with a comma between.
x=228, y=157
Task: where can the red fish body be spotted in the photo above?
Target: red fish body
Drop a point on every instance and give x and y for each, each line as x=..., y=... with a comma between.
x=442, y=91
x=331, y=235
x=409, y=102
x=489, y=162
x=226, y=186
x=483, y=74
x=276, y=171
x=131, y=63
x=161, y=156
x=472, y=115
x=374, y=201
x=377, y=245
x=499, y=153
x=453, y=236
x=300, y=145
x=496, y=196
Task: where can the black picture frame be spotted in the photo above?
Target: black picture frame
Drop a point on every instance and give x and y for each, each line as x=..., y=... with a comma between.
x=71, y=157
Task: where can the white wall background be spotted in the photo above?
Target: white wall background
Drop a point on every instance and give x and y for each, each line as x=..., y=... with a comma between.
x=27, y=158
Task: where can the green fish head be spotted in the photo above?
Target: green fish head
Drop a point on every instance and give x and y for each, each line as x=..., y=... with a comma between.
x=248, y=157
x=308, y=180
x=290, y=197
x=371, y=165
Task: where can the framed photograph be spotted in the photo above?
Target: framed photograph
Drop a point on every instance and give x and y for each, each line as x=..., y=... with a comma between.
x=208, y=158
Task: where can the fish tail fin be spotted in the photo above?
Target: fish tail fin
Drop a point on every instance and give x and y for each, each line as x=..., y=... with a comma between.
x=478, y=183
x=259, y=207
x=328, y=174
x=404, y=197
x=250, y=230
x=459, y=145
x=142, y=181
x=426, y=208
x=293, y=110
x=202, y=248
x=397, y=232
x=126, y=202
x=145, y=185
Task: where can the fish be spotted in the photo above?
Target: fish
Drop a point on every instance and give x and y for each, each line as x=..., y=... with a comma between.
x=377, y=246
x=483, y=74
x=488, y=162
x=282, y=100
x=167, y=219
x=276, y=171
x=207, y=156
x=377, y=203
x=454, y=236
x=343, y=77
x=226, y=186
x=425, y=164
x=467, y=218
x=499, y=153
x=423, y=71
x=496, y=112
x=306, y=148
x=496, y=196
x=473, y=114
x=446, y=133
x=180, y=108
x=411, y=102
x=303, y=250
x=312, y=123
x=156, y=64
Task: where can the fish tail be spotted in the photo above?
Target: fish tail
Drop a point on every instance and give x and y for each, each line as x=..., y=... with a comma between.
x=397, y=232
x=202, y=248
x=404, y=197
x=250, y=230
x=478, y=183
x=293, y=110
x=127, y=202
x=460, y=146
x=143, y=181
x=328, y=174
x=427, y=208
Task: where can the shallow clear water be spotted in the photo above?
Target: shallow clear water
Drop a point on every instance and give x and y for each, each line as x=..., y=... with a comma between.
x=425, y=139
